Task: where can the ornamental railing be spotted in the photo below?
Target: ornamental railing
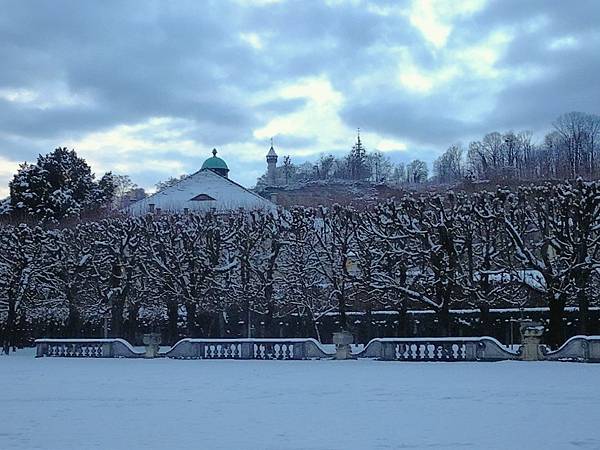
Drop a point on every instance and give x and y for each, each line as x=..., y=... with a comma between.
x=437, y=349
x=86, y=348
x=578, y=348
x=279, y=349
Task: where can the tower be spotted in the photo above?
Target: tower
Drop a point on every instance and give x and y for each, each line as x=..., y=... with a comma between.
x=271, y=166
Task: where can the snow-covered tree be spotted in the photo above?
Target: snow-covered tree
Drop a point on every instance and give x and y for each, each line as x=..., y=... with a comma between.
x=60, y=185
x=304, y=289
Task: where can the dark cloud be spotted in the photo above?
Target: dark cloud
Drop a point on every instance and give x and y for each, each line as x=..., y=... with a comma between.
x=553, y=55
x=97, y=65
x=403, y=118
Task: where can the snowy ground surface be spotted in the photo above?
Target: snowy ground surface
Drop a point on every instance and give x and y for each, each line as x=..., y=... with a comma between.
x=58, y=403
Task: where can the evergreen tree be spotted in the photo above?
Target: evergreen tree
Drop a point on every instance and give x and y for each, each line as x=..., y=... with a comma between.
x=59, y=185
x=357, y=161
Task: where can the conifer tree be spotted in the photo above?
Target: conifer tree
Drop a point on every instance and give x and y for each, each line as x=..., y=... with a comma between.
x=59, y=185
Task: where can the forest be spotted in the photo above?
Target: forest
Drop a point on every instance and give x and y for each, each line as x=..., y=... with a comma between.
x=535, y=245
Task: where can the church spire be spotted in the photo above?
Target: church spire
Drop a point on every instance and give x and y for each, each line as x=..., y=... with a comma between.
x=271, y=154
x=271, y=165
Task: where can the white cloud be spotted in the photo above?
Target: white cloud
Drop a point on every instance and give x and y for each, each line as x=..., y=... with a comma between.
x=433, y=18
x=390, y=145
x=252, y=39
x=47, y=96
x=319, y=118
x=421, y=81
x=562, y=43
x=18, y=95
x=7, y=169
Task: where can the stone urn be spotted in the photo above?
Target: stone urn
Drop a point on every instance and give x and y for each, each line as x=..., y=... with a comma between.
x=531, y=335
x=342, y=340
x=152, y=342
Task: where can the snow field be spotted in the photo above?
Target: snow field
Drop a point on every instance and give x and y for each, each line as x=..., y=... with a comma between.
x=61, y=403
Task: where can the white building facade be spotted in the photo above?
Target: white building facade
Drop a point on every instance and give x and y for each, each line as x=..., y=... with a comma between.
x=209, y=189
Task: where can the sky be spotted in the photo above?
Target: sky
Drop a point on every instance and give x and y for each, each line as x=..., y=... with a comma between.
x=148, y=88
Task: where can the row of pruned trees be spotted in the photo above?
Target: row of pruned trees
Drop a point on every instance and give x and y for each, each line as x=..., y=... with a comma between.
x=537, y=246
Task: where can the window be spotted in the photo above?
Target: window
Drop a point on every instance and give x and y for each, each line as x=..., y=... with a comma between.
x=201, y=198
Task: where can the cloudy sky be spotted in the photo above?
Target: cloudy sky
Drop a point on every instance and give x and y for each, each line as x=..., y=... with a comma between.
x=148, y=88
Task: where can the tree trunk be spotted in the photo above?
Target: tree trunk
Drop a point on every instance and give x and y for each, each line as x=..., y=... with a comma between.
x=268, y=328
x=315, y=327
x=172, y=319
x=73, y=324
x=248, y=319
x=403, y=321
x=444, y=320
x=583, y=302
x=191, y=320
x=584, y=312
x=484, y=320
x=555, y=336
x=9, y=337
x=368, y=324
x=132, y=323
x=342, y=308
x=221, y=324
x=116, y=319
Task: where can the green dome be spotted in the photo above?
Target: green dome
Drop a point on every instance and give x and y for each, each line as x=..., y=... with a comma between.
x=216, y=164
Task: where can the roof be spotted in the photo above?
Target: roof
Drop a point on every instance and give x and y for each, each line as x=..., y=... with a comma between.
x=214, y=162
x=204, y=190
x=271, y=152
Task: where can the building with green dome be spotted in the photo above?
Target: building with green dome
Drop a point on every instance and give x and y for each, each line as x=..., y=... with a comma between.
x=209, y=189
x=216, y=164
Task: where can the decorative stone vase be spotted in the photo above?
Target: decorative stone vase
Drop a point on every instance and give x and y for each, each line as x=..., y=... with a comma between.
x=342, y=341
x=152, y=342
x=531, y=335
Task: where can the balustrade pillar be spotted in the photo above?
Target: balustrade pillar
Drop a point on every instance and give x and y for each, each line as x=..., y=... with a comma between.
x=247, y=350
x=152, y=343
x=531, y=333
x=342, y=341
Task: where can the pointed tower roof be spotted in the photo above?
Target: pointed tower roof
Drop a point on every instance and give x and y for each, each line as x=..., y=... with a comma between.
x=271, y=150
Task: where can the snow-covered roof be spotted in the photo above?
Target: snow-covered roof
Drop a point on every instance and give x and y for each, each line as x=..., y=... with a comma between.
x=202, y=191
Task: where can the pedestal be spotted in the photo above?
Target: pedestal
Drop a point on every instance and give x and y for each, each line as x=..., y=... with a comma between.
x=531, y=334
x=342, y=341
x=152, y=342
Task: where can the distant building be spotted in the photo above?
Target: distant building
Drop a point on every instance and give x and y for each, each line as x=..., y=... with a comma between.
x=271, y=166
x=208, y=189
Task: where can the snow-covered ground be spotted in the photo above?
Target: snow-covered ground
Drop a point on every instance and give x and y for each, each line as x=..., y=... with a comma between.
x=56, y=403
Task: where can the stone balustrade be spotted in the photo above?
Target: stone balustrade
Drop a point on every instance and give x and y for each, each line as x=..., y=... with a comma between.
x=578, y=348
x=437, y=349
x=282, y=349
x=86, y=348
